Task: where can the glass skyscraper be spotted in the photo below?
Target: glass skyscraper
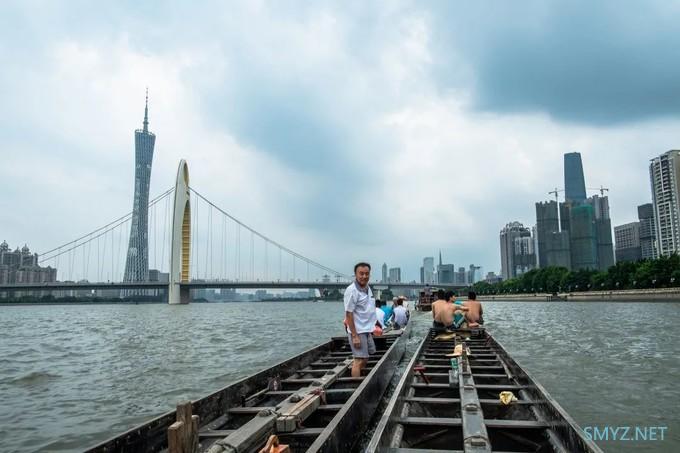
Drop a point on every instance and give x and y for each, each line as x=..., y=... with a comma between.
x=137, y=262
x=574, y=181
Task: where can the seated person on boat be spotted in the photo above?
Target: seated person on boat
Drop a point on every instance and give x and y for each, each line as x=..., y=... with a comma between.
x=380, y=313
x=447, y=314
x=401, y=314
x=388, y=310
x=474, y=314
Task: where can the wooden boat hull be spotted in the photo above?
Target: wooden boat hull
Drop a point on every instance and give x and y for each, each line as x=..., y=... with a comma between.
x=224, y=411
x=462, y=411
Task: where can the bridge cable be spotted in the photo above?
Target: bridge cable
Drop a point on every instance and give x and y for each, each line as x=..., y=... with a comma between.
x=291, y=252
x=105, y=226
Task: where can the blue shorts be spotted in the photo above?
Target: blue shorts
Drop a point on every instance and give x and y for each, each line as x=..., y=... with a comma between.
x=366, y=348
x=458, y=320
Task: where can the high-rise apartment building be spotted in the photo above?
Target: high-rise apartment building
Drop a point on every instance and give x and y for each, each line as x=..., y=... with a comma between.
x=395, y=275
x=518, y=253
x=553, y=244
x=627, y=239
x=647, y=231
x=664, y=174
x=137, y=262
x=525, y=257
x=385, y=276
x=574, y=181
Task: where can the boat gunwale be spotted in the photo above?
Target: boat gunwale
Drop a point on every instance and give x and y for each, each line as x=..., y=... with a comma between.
x=395, y=400
x=330, y=432
x=164, y=420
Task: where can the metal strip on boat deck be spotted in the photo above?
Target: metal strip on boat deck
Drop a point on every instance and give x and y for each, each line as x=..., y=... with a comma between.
x=475, y=437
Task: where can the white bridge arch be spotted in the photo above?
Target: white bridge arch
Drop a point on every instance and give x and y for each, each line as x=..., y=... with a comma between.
x=180, y=239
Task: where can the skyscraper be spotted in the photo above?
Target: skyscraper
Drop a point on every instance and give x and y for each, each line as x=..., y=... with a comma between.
x=444, y=271
x=445, y=274
x=473, y=275
x=574, y=181
x=137, y=262
x=603, y=231
x=517, y=250
x=582, y=237
x=647, y=231
x=428, y=270
x=628, y=242
x=588, y=227
x=664, y=174
x=553, y=244
x=385, y=277
x=524, y=258
x=395, y=275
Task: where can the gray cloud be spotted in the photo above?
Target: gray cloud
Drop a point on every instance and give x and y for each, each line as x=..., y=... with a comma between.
x=313, y=89
x=586, y=62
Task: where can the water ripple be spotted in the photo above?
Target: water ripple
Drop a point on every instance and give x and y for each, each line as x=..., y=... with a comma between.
x=88, y=372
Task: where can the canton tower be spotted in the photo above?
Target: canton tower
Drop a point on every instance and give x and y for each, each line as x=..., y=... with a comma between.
x=137, y=262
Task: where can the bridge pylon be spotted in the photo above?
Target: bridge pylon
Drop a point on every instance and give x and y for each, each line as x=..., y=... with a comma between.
x=180, y=239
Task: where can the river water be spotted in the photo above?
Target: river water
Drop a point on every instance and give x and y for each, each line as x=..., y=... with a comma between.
x=71, y=376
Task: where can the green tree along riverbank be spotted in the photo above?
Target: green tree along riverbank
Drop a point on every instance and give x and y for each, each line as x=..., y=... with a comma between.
x=659, y=273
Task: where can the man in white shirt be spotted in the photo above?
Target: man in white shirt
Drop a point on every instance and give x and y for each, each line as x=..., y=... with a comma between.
x=401, y=315
x=360, y=317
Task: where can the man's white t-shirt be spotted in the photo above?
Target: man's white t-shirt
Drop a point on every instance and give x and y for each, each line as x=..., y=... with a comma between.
x=362, y=306
x=400, y=315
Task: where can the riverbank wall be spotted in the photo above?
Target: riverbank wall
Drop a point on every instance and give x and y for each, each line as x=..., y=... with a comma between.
x=628, y=295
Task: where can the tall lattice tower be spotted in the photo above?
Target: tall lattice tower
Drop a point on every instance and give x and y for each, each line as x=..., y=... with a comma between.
x=137, y=262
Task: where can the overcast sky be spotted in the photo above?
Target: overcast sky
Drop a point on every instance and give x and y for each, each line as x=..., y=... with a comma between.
x=382, y=131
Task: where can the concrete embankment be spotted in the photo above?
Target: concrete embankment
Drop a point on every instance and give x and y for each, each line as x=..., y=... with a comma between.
x=629, y=295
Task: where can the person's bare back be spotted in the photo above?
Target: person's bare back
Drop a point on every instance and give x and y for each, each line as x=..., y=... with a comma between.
x=442, y=312
x=474, y=313
x=474, y=310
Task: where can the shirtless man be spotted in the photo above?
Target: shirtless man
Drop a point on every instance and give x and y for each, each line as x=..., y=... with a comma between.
x=474, y=313
x=444, y=310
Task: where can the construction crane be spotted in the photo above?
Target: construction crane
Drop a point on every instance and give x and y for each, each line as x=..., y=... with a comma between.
x=557, y=200
x=556, y=192
x=600, y=189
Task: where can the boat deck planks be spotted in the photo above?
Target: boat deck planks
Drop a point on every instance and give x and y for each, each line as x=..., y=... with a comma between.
x=436, y=409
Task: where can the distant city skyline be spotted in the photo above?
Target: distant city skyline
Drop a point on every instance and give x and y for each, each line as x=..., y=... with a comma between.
x=575, y=233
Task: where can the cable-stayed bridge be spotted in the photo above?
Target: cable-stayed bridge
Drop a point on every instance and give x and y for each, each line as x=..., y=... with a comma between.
x=193, y=244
